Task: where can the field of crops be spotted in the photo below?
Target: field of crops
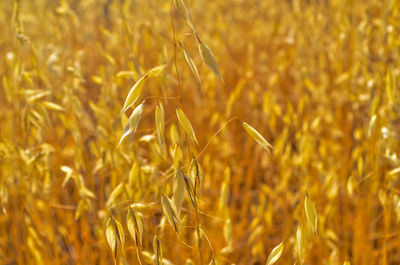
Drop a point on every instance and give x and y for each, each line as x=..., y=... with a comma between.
x=200, y=132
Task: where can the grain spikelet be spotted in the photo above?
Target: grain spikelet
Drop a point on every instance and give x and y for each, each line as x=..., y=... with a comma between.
x=134, y=93
x=212, y=261
x=52, y=106
x=82, y=205
x=209, y=58
x=178, y=190
x=196, y=173
x=372, y=125
x=85, y=192
x=132, y=123
x=300, y=242
x=136, y=90
x=174, y=135
x=256, y=136
x=148, y=257
x=146, y=138
x=111, y=236
x=394, y=171
x=157, y=251
x=183, y=9
x=190, y=62
x=177, y=156
x=156, y=71
x=115, y=193
x=160, y=127
x=190, y=189
x=228, y=232
x=311, y=213
x=120, y=234
x=170, y=212
x=68, y=174
x=275, y=254
x=35, y=251
x=135, y=227
x=186, y=125
x=123, y=74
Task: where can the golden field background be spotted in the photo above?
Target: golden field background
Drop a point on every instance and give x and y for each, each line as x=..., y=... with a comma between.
x=317, y=79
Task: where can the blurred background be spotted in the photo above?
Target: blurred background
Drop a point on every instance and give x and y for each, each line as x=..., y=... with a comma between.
x=317, y=79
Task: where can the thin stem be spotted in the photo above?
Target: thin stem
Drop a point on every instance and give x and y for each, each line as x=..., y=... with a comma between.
x=176, y=66
x=215, y=134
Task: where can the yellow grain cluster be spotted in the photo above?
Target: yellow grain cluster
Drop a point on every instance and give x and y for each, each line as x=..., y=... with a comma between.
x=199, y=132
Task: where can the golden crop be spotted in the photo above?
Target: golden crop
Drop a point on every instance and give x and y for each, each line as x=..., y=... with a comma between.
x=199, y=132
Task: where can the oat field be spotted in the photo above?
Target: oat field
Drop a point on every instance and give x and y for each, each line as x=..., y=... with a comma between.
x=195, y=132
